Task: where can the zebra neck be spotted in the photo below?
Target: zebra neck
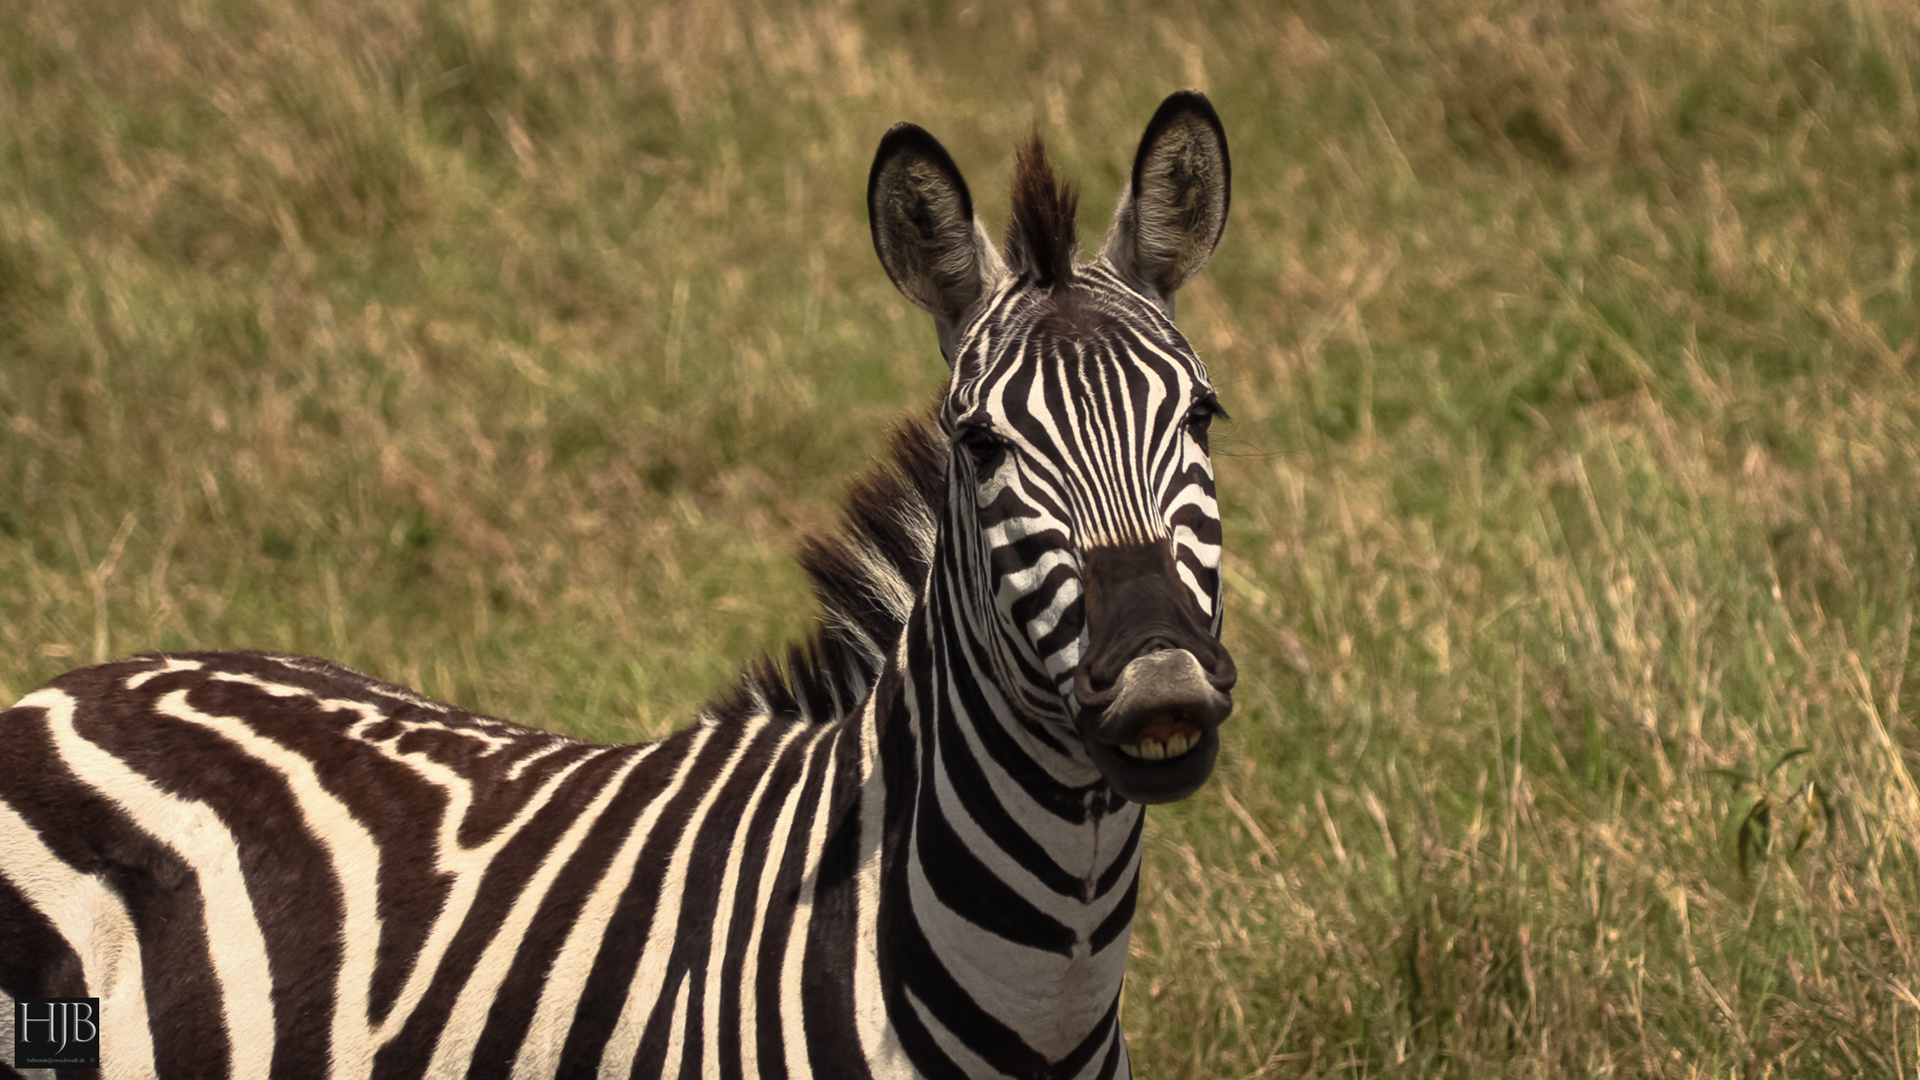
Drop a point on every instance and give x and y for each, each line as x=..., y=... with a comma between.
x=1006, y=892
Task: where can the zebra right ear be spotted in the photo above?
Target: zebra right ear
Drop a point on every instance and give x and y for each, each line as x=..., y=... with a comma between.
x=925, y=233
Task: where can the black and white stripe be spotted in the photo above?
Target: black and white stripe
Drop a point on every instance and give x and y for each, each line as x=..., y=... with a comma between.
x=910, y=850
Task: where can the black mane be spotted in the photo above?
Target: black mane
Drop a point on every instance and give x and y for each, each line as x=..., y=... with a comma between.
x=866, y=575
x=1041, y=243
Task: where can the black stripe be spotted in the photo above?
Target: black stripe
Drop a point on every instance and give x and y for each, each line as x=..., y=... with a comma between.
x=992, y=818
x=1117, y=920
x=605, y=991
x=287, y=870
x=519, y=997
x=1068, y=804
x=35, y=961
x=783, y=901
x=1116, y=1055
x=411, y=1050
x=161, y=892
x=688, y=953
x=965, y=885
x=1076, y=1060
x=896, y=917
x=922, y=972
x=757, y=860
x=826, y=978
x=1111, y=876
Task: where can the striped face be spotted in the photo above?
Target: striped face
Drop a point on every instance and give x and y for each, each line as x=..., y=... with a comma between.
x=1079, y=419
x=1081, y=507
x=1081, y=502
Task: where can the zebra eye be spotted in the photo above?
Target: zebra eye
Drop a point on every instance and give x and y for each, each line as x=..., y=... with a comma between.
x=982, y=443
x=1201, y=415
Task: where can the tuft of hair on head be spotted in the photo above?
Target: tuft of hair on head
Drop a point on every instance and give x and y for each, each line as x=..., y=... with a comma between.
x=1041, y=244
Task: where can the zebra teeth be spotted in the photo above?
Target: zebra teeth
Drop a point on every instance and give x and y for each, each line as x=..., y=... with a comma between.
x=1153, y=749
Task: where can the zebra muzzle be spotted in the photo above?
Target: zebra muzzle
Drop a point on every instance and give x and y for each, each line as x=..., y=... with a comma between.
x=1155, y=681
x=1153, y=734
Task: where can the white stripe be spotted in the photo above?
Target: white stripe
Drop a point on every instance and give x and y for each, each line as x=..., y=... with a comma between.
x=194, y=832
x=879, y=1042
x=172, y=665
x=955, y=1049
x=547, y=1035
x=793, y=1033
x=671, y=1066
x=1068, y=909
x=1192, y=583
x=650, y=977
x=552, y=747
x=468, y=1020
x=355, y=859
x=750, y=970
x=356, y=1039
x=1048, y=619
x=723, y=916
x=95, y=924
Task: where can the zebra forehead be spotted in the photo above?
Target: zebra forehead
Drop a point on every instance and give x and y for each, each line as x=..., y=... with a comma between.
x=1114, y=359
x=1094, y=298
x=1083, y=314
x=1093, y=322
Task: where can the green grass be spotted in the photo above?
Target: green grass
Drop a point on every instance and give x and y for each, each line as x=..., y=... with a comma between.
x=505, y=350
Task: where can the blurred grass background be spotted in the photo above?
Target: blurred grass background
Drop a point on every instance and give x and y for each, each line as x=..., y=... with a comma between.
x=503, y=349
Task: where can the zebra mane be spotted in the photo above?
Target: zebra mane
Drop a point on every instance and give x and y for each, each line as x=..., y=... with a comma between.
x=1040, y=239
x=867, y=575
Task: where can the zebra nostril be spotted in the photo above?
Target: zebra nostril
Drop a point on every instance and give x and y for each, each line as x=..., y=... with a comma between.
x=1091, y=693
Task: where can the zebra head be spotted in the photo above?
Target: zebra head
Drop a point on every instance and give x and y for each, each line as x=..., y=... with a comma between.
x=1081, y=516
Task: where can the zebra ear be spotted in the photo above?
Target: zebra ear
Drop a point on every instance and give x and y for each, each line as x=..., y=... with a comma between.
x=1175, y=209
x=924, y=230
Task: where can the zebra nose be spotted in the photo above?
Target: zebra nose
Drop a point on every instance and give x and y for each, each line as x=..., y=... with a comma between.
x=1154, y=733
x=1142, y=619
x=1167, y=688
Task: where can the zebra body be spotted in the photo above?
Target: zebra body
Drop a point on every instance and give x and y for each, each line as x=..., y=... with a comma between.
x=912, y=852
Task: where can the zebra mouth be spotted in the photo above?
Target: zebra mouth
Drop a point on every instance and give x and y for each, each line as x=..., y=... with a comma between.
x=1185, y=761
x=1152, y=733
x=1166, y=738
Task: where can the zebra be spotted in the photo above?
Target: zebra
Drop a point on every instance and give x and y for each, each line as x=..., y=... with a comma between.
x=911, y=847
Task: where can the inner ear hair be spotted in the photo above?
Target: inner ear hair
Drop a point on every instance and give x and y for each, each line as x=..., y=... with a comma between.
x=1175, y=208
x=923, y=226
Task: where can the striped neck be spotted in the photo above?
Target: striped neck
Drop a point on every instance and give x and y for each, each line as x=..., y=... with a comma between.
x=1008, y=873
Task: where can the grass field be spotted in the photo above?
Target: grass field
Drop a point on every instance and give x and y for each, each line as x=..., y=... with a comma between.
x=505, y=350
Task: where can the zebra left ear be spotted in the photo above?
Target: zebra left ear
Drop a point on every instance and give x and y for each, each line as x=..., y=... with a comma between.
x=1174, y=211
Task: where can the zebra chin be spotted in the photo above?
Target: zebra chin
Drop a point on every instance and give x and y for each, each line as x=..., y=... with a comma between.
x=1154, y=734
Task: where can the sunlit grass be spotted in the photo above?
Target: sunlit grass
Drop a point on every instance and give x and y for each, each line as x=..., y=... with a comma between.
x=505, y=350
